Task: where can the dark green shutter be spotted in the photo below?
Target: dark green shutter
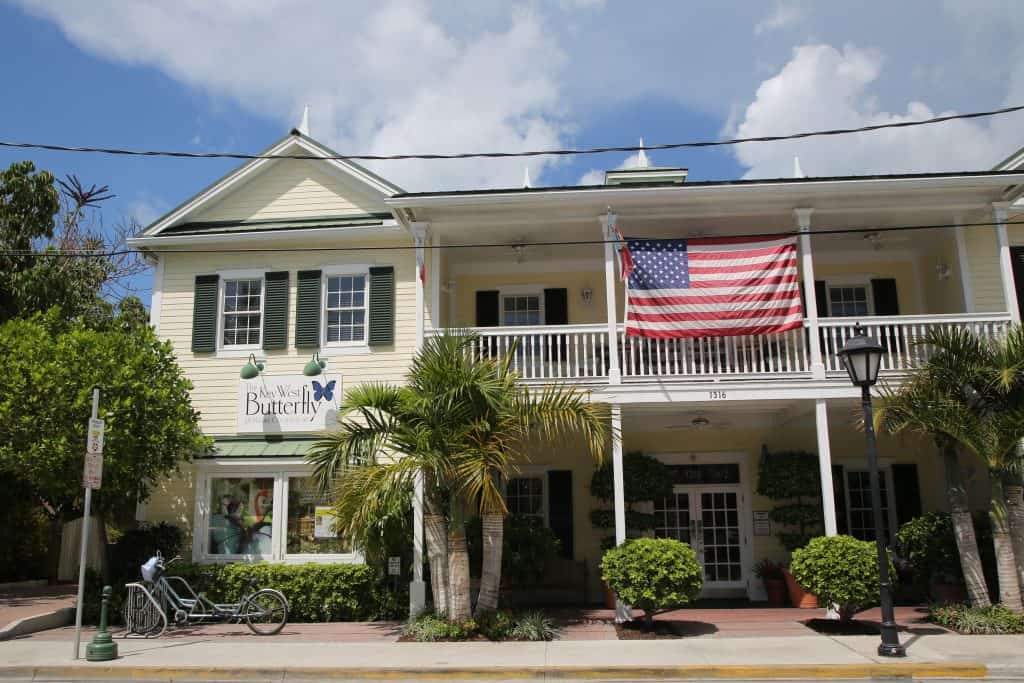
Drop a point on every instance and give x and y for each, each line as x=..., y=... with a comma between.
x=883, y=292
x=839, y=492
x=204, y=314
x=821, y=294
x=307, y=309
x=382, y=306
x=1017, y=259
x=275, y=310
x=556, y=306
x=487, y=309
x=908, y=492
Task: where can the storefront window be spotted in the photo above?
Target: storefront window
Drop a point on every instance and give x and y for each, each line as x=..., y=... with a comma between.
x=241, y=516
x=311, y=527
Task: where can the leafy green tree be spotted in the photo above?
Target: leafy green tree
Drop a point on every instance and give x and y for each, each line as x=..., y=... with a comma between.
x=463, y=424
x=48, y=369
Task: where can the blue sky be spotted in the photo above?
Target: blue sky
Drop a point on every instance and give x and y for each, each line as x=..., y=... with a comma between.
x=413, y=75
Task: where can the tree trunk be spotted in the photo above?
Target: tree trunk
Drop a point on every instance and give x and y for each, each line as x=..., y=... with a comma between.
x=490, y=579
x=1006, y=565
x=105, y=569
x=436, y=537
x=53, y=551
x=1015, y=507
x=458, y=572
x=963, y=529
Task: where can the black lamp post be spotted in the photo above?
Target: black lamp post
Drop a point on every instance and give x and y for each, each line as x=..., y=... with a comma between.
x=862, y=356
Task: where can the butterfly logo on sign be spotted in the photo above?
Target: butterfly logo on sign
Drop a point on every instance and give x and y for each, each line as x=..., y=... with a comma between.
x=323, y=391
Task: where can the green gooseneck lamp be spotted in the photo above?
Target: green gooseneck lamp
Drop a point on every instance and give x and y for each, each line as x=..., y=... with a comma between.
x=252, y=369
x=315, y=366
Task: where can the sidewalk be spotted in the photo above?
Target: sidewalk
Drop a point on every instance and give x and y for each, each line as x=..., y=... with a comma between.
x=28, y=608
x=211, y=656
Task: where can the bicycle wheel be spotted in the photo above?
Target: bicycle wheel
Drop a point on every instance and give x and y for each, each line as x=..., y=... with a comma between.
x=265, y=612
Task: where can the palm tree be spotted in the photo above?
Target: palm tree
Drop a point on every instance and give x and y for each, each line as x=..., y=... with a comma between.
x=916, y=407
x=463, y=424
x=975, y=390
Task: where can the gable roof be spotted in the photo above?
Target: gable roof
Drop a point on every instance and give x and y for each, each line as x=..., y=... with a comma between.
x=294, y=142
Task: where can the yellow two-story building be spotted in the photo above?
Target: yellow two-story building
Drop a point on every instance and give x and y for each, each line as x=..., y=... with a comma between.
x=288, y=265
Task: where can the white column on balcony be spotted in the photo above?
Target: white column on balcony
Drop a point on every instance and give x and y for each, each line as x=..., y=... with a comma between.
x=418, y=589
x=608, y=230
x=622, y=612
x=1005, y=262
x=966, y=288
x=828, y=499
x=803, y=223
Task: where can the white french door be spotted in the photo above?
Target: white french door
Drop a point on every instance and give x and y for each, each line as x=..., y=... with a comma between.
x=708, y=519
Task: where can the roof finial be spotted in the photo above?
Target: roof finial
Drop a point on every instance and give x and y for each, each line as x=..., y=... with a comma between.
x=526, y=177
x=304, y=123
x=641, y=157
x=797, y=171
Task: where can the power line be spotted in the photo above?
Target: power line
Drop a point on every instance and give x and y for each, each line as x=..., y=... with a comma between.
x=499, y=155
x=480, y=245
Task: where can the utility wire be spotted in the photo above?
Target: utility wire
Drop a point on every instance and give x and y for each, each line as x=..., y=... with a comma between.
x=499, y=155
x=479, y=245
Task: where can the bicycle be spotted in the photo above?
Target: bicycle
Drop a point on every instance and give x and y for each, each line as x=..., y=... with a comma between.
x=149, y=602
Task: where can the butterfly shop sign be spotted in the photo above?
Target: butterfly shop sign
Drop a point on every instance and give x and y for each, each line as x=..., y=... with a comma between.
x=272, y=404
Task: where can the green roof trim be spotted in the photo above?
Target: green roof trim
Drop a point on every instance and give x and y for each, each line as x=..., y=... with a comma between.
x=260, y=447
x=226, y=227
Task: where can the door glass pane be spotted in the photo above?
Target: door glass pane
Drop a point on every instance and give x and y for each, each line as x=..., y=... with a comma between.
x=672, y=517
x=721, y=536
x=311, y=526
x=862, y=521
x=241, y=516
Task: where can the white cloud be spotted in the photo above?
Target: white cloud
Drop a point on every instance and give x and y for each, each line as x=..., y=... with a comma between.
x=595, y=176
x=146, y=208
x=822, y=87
x=785, y=14
x=379, y=78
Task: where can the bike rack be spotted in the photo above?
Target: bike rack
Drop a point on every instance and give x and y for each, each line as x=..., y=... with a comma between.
x=136, y=604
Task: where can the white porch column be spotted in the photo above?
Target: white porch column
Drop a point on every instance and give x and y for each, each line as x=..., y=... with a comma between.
x=803, y=222
x=828, y=499
x=608, y=230
x=418, y=589
x=622, y=611
x=1005, y=263
x=966, y=288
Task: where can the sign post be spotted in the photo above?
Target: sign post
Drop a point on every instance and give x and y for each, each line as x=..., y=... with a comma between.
x=92, y=478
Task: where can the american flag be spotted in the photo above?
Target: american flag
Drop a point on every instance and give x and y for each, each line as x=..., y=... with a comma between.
x=713, y=287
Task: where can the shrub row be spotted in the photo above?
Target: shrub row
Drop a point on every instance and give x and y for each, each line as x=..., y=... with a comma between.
x=501, y=625
x=978, y=620
x=315, y=592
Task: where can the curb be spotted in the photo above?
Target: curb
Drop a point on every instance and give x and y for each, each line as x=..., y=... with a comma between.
x=762, y=672
x=38, y=622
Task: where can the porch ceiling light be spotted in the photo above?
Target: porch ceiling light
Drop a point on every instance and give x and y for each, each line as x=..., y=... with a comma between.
x=315, y=366
x=862, y=356
x=252, y=369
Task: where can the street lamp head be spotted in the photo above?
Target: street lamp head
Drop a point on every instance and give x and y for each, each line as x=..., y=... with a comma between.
x=862, y=356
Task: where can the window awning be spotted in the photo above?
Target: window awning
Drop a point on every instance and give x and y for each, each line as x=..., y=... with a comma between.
x=260, y=447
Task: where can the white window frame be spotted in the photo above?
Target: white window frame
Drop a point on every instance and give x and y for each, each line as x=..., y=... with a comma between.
x=280, y=469
x=856, y=282
x=223, y=277
x=884, y=468
x=342, y=271
x=521, y=290
x=532, y=472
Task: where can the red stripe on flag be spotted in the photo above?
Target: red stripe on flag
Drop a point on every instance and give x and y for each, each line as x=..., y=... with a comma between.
x=742, y=268
x=715, y=241
x=715, y=315
x=746, y=253
x=698, y=298
x=690, y=333
x=753, y=281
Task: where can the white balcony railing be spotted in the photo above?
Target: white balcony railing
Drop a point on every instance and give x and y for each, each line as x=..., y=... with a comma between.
x=580, y=352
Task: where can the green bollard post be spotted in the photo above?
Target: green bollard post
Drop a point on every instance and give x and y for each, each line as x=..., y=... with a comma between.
x=102, y=648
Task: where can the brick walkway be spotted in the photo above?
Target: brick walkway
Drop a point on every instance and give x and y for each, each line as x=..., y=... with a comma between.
x=32, y=600
x=575, y=624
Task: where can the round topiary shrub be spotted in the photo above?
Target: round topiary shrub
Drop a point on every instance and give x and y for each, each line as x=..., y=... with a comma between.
x=841, y=571
x=654, y=574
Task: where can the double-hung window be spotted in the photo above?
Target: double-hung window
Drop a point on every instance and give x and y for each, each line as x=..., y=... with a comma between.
x=521, y=309
x=847, y=300
x=859, y=512
x=345, y=309
x=242, y=312
x=524, y=497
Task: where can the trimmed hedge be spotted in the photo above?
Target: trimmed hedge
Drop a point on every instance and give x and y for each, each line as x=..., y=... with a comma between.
x=315, y=592
x=654, y=574
x=841, y=571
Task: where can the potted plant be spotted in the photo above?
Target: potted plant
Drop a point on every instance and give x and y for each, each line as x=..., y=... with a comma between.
x=792, y=479
x=645, y=479
x=774, y=581
x=928, y=544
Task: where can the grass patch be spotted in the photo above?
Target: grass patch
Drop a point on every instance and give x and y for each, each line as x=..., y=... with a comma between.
x=969, y=620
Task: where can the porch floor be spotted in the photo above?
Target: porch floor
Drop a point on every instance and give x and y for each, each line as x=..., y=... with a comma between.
x=574, y=624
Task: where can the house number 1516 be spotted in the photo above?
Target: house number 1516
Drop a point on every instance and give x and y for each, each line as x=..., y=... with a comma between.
x=716, y=395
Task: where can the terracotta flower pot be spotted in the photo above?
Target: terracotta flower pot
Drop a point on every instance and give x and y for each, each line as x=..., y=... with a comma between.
x=798, y=596
x=609, y=596
x=778, y=595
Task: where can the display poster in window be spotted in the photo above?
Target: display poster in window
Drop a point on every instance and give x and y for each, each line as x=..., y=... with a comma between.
x=324, y=522
x=273, y=404
x=762, y=523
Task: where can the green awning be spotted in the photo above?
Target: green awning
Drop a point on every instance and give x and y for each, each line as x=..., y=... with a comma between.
x=260, y=447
